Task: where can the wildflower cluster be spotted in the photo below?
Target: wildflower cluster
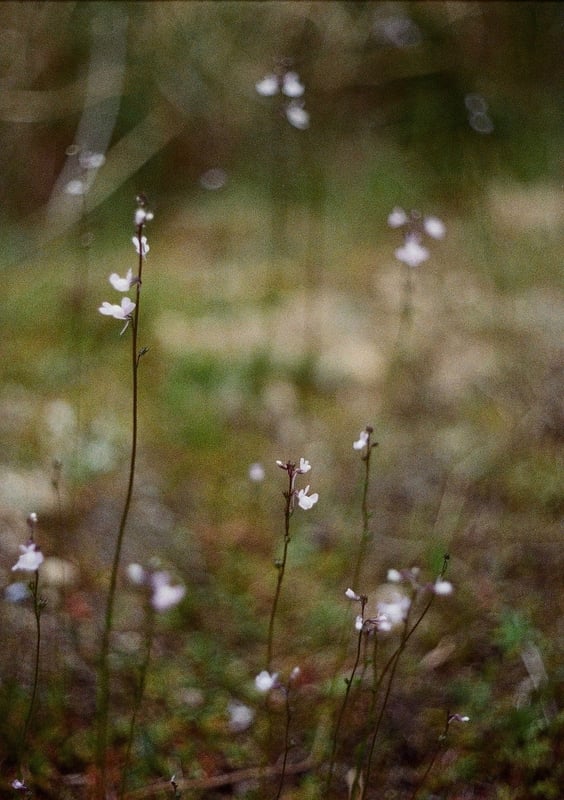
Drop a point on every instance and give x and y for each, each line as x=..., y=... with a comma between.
x=392, y=608
x=287, y=83
x=125, y=309
x=416, y=226
x=302, y=496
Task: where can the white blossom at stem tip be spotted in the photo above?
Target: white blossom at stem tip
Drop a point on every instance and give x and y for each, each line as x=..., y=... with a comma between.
x=352, y=595
x=442, y=587
x=304, y=467
x=142, y=216
x=362, y=440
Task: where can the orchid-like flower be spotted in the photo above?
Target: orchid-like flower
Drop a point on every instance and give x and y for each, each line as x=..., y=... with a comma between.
x=296, y=115
x=136, y=574
x=442, y=587
x=122, y=284
x=264, y=681
x=123, y=311
x=30, y=558
x=289, y=84
x=362, y=440
x=306, y=501
x=142, y=248
x=393, y=611
x=256, y=473
x=142, y=215
x=458, y=718
x=165, y=596
x=240, y=716
x=397, y=218
x=435, y=227
x=352, y=595
x=304, y=467
x=393, y=576
x=412, y=251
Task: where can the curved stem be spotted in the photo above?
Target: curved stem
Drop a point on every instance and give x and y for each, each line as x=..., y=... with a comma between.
x=342, y=711
x=104, y=677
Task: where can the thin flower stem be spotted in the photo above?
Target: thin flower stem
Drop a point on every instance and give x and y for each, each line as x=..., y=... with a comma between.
x=392, y=665
x=349, y=683
x=286, y=743
x=104, y=677
x=140, y=690
x=365, y=536
x=434, y=757
x=37, y=608
x=289, y=495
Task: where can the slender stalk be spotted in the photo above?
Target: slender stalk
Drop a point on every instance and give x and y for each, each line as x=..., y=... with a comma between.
x=440, y=745
x=140, y=690
x=281, y=565
x=104, y=677
x=392, y=665
x=366, y=514
x=340, y=715
x=286, y=743
x=37, y=608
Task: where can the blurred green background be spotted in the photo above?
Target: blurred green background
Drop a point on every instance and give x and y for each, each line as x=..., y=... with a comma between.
x=279, y=325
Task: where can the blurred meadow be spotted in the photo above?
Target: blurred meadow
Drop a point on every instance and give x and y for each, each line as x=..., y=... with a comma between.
x=279, y=323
